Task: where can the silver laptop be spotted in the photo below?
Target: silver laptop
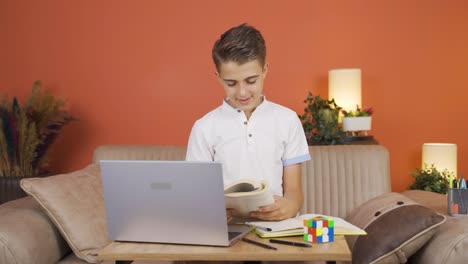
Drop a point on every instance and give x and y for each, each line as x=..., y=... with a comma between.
x=167, y=202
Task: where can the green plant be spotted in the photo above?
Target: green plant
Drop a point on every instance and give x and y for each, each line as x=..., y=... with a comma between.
x=430, y=179
x=27, y=131
x=320, y=121
x=358, y=112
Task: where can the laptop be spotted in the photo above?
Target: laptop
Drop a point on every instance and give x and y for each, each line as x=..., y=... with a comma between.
x=177, y=202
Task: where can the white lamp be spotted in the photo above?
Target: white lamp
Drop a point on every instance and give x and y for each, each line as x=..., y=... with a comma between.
x=442, y=155
x=344, y=85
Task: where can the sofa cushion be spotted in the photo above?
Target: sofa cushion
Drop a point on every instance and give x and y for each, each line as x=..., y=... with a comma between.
x=74, y=202
x=396, y=228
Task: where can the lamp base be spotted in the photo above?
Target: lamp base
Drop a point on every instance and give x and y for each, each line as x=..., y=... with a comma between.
x=360, y=140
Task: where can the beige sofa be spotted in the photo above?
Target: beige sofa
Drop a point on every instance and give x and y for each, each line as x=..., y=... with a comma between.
x=337, y=180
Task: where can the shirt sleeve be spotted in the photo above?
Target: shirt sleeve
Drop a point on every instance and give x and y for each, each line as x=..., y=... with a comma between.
x=297, y=150
x=198, y=148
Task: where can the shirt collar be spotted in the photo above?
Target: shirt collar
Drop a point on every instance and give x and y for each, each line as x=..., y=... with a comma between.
x=227, y=106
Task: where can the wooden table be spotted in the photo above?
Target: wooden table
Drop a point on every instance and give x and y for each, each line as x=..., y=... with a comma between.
x=125, y=252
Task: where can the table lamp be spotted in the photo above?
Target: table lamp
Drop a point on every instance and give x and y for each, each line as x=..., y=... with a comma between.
x=344, y=85
x=442, y=155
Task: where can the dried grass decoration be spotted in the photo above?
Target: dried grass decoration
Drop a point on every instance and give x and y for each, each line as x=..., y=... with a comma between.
x=27, y=132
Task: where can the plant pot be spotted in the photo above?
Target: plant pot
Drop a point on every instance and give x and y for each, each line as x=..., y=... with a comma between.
x=10, y=189
x=359, y=123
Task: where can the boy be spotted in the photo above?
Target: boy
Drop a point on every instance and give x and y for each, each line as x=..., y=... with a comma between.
x=252, y=137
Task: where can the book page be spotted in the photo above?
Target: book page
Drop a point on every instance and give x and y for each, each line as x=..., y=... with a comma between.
x=243, y=186
x=245, y=201
x=272, y=226
x=294, y=226
x=281, y=233
x=342, y=227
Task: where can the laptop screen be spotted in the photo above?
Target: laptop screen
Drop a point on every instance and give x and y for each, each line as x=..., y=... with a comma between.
x=165, y=201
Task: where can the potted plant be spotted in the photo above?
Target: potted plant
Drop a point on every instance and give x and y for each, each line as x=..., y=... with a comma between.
x=430, y=179
x=26, y=133
x=320, y=121
x=357, y=121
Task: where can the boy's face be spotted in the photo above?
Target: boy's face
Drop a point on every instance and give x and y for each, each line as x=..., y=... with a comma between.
x=243, y=84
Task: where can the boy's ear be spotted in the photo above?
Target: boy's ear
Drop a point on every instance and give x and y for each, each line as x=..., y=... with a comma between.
x=219, y=78
x=265, y=70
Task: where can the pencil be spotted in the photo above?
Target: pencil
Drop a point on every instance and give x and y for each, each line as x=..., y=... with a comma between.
x=291, y=243
x=258, y=243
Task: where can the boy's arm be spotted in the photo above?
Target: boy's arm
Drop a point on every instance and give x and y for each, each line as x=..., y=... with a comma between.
x=197, y=148
x=292, y=187
x=291, y=202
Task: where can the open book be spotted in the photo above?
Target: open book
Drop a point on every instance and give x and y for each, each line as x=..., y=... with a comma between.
x=247, y=195
x=294, y=227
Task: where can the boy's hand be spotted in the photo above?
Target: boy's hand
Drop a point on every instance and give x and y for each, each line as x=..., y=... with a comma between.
x=230, y=212
x=280, y=210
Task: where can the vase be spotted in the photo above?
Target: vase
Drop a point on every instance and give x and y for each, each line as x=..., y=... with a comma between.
x=10, y=189
x=359, y=123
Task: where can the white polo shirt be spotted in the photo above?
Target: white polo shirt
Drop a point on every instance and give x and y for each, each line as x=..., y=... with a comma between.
x=257, y=148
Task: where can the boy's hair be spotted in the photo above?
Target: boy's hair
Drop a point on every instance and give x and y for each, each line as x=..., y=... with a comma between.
x=239, y=44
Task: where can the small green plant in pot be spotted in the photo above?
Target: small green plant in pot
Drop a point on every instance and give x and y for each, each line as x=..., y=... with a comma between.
x=357, y=122
x=320, y=121
x=430, y=179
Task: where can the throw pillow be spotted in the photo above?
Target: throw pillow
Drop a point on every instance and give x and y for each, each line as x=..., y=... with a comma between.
x=396, y=228
x=75, y=203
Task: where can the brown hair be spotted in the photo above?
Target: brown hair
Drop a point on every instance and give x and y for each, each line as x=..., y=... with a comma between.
x=240, y=44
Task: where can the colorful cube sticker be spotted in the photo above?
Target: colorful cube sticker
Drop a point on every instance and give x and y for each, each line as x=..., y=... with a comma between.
x=319, y=230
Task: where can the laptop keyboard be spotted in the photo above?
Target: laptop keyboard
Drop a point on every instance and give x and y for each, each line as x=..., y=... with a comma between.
x=232, y=235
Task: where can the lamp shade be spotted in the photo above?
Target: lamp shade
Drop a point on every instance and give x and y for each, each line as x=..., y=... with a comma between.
x=442, y=155
x=344, y=85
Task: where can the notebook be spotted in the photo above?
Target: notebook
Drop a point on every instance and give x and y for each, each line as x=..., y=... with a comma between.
x=175, y=202
x=294, y=227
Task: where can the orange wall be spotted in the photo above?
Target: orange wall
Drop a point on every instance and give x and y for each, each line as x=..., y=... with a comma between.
x=140, y=72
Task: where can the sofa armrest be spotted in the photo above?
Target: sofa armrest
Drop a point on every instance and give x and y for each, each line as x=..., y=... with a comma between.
x=450, y=243
x=27, y=235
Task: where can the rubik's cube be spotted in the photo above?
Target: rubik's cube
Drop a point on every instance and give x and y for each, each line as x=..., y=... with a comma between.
x=319, y=230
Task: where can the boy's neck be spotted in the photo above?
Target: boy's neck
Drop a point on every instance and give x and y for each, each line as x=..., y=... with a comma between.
x=248, y=114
